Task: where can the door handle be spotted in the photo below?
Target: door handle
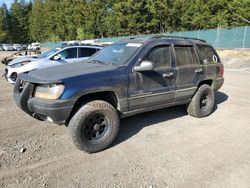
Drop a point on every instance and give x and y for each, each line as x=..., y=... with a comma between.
x=198, y=70
x=168, y=75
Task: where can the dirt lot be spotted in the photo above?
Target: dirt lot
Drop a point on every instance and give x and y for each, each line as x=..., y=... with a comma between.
x=165, y=148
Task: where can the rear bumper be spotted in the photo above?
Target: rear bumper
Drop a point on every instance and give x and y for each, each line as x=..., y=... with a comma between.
x=218, y=84
x=57, y=111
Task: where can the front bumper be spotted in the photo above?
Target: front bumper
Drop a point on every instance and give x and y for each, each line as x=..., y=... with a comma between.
x=57, y=111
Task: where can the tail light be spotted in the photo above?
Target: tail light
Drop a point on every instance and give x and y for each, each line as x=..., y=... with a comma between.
x=221, y=70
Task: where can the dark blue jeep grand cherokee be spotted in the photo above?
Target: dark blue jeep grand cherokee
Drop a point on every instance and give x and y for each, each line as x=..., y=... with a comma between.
x=123, y=79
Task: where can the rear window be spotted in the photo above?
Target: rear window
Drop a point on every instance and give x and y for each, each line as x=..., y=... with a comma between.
x=185, y=55
x=207, y=54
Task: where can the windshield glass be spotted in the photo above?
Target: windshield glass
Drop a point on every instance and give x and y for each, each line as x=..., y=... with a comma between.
x=116, y=54
x=48, y=53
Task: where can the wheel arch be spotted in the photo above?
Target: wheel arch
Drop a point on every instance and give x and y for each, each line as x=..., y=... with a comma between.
x=208, y=82
x=108, y=96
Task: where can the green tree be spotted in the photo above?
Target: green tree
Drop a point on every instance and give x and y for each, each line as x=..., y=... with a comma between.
x=19, y=15
x=5, y=21
x=158, y=18
x=37, y=21
x=3, y=33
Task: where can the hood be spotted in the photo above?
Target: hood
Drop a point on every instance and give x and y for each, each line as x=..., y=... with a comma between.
x=23, y=58
x=61, y=72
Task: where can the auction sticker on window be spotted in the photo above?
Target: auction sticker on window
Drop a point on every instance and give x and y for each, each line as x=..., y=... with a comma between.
x=215, y=59
x=134, y=45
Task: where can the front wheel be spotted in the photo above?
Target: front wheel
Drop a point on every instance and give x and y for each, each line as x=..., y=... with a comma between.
x=202, y=102
x=94, y=126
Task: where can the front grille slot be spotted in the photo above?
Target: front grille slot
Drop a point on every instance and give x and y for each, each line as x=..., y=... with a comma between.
x=21, y=85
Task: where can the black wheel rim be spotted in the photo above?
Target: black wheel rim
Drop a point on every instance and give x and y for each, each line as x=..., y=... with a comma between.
x=204, y=101
x=97, y=128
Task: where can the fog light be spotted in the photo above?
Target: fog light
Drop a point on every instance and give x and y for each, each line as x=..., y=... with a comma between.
x=50, y=120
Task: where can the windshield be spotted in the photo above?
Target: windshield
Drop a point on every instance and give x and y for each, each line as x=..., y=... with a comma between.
x=48, y=53
x=116, y=54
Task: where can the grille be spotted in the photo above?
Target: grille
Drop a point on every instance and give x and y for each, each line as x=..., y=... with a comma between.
x=22, y=84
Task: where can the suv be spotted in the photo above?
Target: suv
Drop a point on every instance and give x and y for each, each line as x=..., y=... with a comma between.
x=124, y=79
x=34, y=46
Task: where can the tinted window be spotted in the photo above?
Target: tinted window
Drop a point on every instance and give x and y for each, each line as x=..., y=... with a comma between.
x=68, y=53
x=185, y=55
x=86, y=52
x=207, y=54
x=160, y=56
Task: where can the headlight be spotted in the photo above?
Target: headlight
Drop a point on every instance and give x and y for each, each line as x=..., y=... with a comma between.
x=19, y=64
x=52, y=91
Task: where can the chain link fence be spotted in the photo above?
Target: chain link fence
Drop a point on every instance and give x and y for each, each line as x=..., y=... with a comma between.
x=237, y=37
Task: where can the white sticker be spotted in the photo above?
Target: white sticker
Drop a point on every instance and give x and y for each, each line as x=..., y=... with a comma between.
x=215, y=59
x=137, y=45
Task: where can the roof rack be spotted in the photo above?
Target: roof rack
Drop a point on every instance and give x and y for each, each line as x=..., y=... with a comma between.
x=178, y=37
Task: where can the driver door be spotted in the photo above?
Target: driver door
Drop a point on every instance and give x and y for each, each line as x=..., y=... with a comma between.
x=67, y=56
x=154, y=87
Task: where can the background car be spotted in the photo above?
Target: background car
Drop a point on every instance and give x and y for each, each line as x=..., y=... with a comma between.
x=70, y=43
x=7, y=47
x=17, y=47
x=52, y=57
x=34, y=46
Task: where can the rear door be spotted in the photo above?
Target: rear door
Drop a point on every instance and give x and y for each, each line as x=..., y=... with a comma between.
x=156, y=87
x=189, y=71
x=210, y=60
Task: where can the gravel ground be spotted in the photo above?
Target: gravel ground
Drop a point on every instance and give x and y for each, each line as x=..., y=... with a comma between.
x=164, y=148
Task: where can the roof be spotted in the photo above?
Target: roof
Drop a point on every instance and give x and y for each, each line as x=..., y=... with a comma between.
x=143, y=40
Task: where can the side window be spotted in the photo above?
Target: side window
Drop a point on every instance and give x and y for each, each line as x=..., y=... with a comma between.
x=185, y=55
x=86, y=52
x=207, y=54
x=68, y=53
x=160, y=56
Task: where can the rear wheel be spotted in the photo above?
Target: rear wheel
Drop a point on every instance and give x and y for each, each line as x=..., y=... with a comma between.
x=202, y=102
x=94, y=126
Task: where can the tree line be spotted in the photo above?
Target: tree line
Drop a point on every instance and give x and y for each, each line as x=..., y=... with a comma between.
x=59, y=20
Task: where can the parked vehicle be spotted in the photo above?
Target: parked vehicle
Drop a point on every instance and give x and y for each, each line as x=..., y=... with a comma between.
x=24, y=47
x=34, y=46
x=55, y=56
x=70, y=43
x=17, y=47
x=18, y=54
x=123, y=79
x=7, y=47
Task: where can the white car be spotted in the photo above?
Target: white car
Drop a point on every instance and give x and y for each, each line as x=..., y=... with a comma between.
x=34, y=46
x=7, y=47
x=53, y=57
x=17, y=47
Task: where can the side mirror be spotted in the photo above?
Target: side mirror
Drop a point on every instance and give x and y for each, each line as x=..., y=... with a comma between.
x=56, y=58
x=144, y=66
